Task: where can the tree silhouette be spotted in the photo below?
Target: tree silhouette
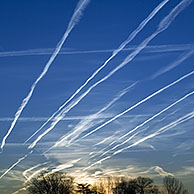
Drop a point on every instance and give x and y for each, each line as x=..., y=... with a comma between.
x=145, y=185
x=140, y=185
x=98, y=188
x=174, y=186
x=125, y=187
x=84, y=188
x=55, y=183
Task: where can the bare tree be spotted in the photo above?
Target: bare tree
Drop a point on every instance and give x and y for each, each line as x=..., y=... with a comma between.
x=98, y=188
x=173, y=186
x=145, y=185
x=125, y=186
x=140, y=185
x=84, y=188
x=55, y=183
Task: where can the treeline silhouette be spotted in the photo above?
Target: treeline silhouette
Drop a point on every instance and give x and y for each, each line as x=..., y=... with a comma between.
x=59, y=183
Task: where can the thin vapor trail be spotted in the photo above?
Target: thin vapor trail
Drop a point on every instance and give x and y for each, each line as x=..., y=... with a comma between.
x=35, y=173
x=163, y=25
x=114, y=53
x=113, y=142
x=150, y=119
x=158, y=132
x=75, y=18
x=87, y=123
x=130, y=138
x=75, y=133
x=48, y=51
x=15, y=164
x=32, y=168
x=138, y=103
x=161, y=130
x=168, y=68
x=22, y=189
x=173, y=65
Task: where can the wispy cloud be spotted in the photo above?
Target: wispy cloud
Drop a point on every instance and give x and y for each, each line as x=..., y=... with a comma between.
x=174, y=64
x=87, y=123
x=75, y=18
x=32, y=168
x=158, y=132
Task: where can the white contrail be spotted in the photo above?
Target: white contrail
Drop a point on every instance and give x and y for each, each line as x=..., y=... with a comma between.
x=48, y=51
x=16, y=163
x=139, y=103
x=113, y=142
x=32, y=168
x=37, y=172
x=132, y=136
x=168, y=68
x=161, y=130
x=22, y=189
x=150, y=119
x=173, y=65
x=76, y=15
x=84, y=125
x=87, y=123
x=163, y=25
x=114, y=53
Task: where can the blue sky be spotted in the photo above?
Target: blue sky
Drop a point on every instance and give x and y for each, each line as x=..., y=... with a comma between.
x=124, y=125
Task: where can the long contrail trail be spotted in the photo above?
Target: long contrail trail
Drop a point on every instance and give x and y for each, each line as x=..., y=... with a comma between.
x=75, y=18
x=173, y=65
x=75, y=132
x=32, y=168
x=138, y=103
x=48, y=51
x=168, y=68
x=15, y=164
x=163, y=25
x=161, y=130
x=147, y=121
x=158, y=132
x=114, y=53
x=87, y=123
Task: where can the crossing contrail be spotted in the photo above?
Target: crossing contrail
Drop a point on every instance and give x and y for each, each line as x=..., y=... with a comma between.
x=114, y=53
x=138, y=103
x=147, y=121
x=158, y=132
x=85, y=124
x=15, y=164
x=168, y=68
x=48, y=51
x=75, y=18
x=32, y=168
x=163, y=25
x=161, y=130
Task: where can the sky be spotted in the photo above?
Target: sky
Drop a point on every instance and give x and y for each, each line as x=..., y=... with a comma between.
x=96, y=89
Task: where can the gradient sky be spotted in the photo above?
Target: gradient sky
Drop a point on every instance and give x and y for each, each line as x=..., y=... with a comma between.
x=153, y=138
